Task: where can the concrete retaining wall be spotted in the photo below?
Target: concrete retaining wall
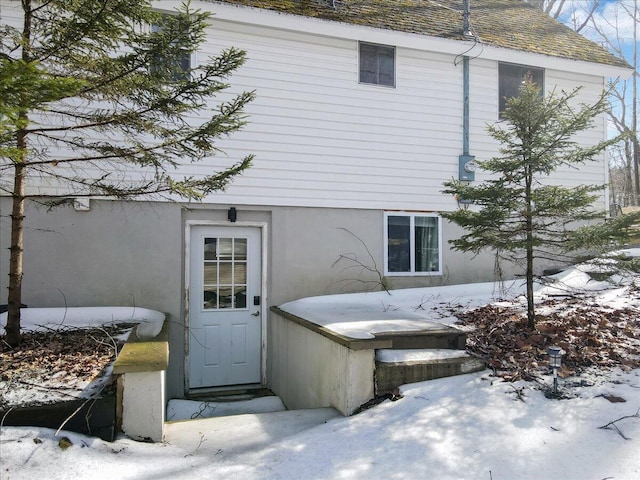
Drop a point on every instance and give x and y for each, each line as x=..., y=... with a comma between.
x=141, y=366
x=314, y=368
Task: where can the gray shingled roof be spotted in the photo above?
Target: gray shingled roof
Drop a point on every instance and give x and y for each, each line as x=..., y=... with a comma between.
x=501, y=23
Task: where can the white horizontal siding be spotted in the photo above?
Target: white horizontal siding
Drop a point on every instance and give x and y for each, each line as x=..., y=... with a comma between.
x=11, y=13
x=484, y=111
x=322, y=139
x=591, y=172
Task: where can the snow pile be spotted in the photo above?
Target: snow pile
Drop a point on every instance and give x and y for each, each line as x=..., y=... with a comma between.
x=80, y=317
x=149, y=321
x=458, y=428
x=417, y=355
x=361, y=315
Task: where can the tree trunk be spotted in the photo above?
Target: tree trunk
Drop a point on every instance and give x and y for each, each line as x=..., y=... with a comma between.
x=634, y=118
x=629, y=197
x=14, y=299
x=531, y=313
x=613, y=194
x=12, y=328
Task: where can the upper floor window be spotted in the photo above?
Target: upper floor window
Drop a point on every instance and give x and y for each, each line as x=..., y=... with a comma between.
x=377, y=64
x=511, y=77
x=174, y=62
x=412, y=244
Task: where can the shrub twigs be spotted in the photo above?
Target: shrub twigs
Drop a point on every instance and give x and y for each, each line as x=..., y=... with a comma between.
x=612, y=425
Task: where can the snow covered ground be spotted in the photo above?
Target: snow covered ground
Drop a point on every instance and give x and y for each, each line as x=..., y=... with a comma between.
x=468, y=427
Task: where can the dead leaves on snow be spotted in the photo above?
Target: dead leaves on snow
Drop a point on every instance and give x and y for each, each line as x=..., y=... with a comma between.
x=591, y=336
x=52, y=359
x=65, y=443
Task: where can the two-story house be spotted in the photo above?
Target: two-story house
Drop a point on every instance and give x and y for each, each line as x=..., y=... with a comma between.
x=363, y=109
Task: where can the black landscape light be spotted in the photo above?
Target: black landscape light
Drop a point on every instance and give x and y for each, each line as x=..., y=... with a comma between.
x=555, y=362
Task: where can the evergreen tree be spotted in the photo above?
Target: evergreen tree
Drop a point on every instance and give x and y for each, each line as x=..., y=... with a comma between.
x=97, y=99
x=519, y=212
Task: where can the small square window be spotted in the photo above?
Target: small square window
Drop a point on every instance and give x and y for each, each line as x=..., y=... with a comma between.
x=413, y=244
x=377, y=64
x=510, y=80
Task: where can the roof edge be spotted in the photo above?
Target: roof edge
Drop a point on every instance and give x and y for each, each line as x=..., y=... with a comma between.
x=330, y=28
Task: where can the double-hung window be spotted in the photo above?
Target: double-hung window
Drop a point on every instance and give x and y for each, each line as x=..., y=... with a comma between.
x=377, y=64
x=511, y=77
x=412, y=244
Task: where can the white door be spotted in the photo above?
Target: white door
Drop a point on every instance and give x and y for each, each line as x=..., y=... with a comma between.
x=225, y=298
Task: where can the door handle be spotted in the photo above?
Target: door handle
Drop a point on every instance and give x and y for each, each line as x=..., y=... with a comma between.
x=256, y=313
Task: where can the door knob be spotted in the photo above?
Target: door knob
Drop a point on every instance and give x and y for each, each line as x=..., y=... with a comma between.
x=256, y=313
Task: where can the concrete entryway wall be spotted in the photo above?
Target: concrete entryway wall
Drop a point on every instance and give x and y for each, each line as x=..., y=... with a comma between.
x=315, y=368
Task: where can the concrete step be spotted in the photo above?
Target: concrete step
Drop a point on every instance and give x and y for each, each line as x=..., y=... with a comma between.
x=237, y=434
x=222, y=406
x=401, y=366
x=442, y=337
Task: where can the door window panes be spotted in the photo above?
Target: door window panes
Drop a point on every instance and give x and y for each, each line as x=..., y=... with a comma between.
x=225, y=273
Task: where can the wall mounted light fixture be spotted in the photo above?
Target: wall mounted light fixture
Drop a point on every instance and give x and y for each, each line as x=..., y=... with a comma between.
x=232, y=214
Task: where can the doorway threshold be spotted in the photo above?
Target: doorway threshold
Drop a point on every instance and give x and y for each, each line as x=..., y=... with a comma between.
x=229, y=393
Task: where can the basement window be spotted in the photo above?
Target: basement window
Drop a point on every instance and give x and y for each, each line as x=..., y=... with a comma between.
x=412, y=244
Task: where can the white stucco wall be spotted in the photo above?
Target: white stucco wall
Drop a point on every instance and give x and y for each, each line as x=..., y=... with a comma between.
x=116, y=253
x=132, y=254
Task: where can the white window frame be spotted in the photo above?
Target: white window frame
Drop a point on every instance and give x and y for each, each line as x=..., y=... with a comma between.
x=393, y=48
x=412, y=216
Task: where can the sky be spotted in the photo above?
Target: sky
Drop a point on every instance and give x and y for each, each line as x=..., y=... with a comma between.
x=613, y=26
x=613, y=17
